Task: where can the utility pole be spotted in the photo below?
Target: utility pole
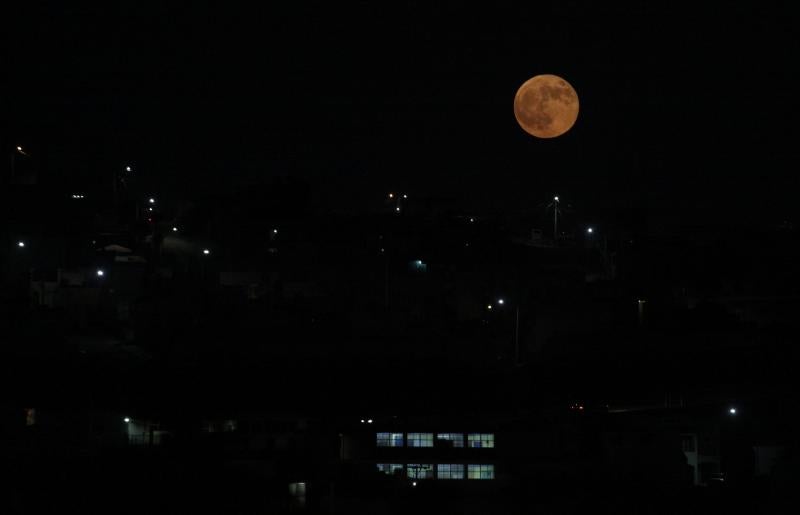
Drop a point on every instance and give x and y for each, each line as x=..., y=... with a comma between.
x=386, y=281
x=17, y=150
x=555, y=218
x=516, y=337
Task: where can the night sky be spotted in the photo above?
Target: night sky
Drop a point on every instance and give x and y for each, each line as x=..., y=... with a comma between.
x=687, y=113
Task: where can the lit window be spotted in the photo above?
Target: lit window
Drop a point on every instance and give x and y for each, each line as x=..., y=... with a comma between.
x=418, y=265
x=480, y=471
x=389, y=439
x=420, y=439
x=480, y=440
x=298, y=493
x=450, y=471
x=390, y=469
x=451, y=439
x=419, y=471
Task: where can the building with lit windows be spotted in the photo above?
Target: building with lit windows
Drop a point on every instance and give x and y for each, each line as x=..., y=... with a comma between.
x=423, y=455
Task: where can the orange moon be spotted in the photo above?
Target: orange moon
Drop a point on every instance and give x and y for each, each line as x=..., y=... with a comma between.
x=546, y=106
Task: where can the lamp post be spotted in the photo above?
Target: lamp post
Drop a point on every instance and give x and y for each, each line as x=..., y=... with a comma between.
x=555, y=218
x=502, y=302
x=17, y=150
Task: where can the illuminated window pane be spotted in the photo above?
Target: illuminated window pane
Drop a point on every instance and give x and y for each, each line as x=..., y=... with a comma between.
x=450, y=471
x=452, y=439
x=420, y=439
x=390, y=469
x=389, y=439
x=298, y=493
x=480, y=471
x=419, y=471
x=480, y=440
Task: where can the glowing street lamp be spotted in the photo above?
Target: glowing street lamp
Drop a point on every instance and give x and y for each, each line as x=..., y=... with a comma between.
x=501, y=302
x=206, y=252
x=590, y=230
x=732, y=411
x=100, y=272
x=555, y=218
x=17, y=150
x=127, y=420
x=20, y=244
x=152, y=200
x=174, y=229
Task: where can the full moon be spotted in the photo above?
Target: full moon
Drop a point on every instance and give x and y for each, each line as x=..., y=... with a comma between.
x=546, y=106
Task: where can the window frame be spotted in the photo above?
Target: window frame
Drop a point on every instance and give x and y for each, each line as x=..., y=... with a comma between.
x=452, y=468
x=480, y=469
x=390, y=440
x=456, y=443
x=419, y=437
x=481, y=439
x=417, y=467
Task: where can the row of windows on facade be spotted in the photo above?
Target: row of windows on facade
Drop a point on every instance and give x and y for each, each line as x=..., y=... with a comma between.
x=474, y=440
x=443, y=470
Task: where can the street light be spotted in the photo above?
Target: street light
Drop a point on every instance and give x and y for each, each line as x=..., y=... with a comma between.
x=732, y=411
x=128, y=169
x=174, y=229
x=20, y=244
x=152, y=200
x=206, y=252
x=17, y=150
x=555, y=218
x=127, y=420
x=100, y=272
x=590, y=230
x=502, y=302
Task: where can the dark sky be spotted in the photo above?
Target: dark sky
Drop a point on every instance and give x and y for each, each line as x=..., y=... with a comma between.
x=682, y=108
